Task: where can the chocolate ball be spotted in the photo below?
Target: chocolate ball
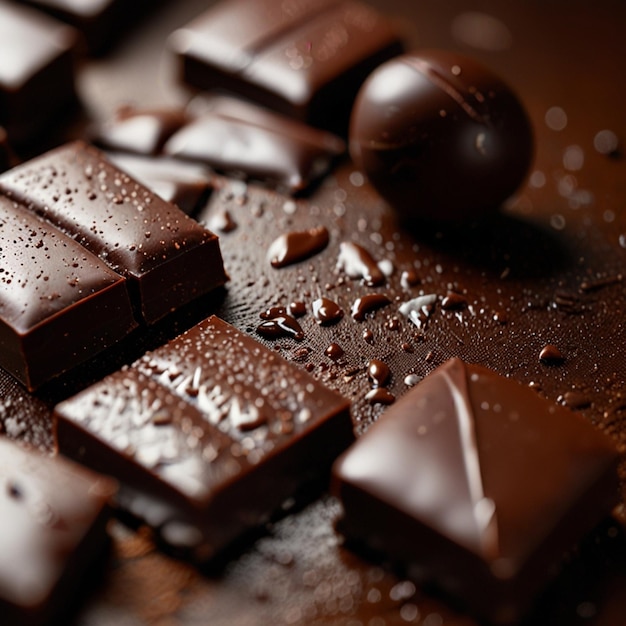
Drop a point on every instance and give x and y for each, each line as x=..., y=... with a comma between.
x=440, y=136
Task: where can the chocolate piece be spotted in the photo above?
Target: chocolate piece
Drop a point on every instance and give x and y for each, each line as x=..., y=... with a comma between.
x=59, y=304
x=101, y=22
x=187, y=185
x=208, y=435
x=440, y=136
x=305, y=59
x=476, y=481
x=36, y=71
x=237, y=137
x=168, y=258
x=138, y=130
x=53, y=517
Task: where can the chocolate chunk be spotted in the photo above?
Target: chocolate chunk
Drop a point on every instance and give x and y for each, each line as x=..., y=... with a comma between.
x=59, y=304
x=305, y=59
x=101, y=22
x=168, y=258
x=36, y=71
x=237, y=137
x=187, y=185
x=440, y=136
x=477, y=482
x=53, y=517
x=138, y=130
x=208, y=435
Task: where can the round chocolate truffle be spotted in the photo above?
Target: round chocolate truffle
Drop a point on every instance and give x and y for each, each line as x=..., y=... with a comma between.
x=440, y=136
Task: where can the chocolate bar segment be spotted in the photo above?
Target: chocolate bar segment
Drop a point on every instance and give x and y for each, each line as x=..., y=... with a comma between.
x=236, y=137
x=52, y=526
x=36, y=71
x=477, y=482
x=305, y=59
x=59, y=304
x=209, y=435
x=168, y=258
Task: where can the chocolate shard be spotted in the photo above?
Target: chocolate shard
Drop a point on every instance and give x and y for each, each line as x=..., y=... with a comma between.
x=167, y=257
x=239, y=138
x=59, y=304
x=209, y=435
x=53, y=518
x=475, y=481
x=37, y=71
x=304, y=59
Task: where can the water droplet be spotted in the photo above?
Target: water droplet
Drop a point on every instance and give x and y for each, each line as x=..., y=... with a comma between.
x=606, y=142
x=411, y=380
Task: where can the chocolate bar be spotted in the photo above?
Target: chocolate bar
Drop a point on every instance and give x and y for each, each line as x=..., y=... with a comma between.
x=305, y=59
x=477, y=482
x=209, y=435
x=37, y=71
x=52, y=527
x=167, y=258
x=59, y=304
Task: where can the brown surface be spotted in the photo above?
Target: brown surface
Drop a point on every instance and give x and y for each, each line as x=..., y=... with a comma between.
x=547, y=271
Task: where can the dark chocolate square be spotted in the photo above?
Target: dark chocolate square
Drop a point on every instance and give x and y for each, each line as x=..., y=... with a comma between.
x=477, y=482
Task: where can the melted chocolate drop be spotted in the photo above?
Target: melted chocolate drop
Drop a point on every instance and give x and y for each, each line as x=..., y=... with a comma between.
x=281, y=326
x=363, y=305
x=453, y=301
x=297, y=246
x=334, y=351
x=378, y=373
x=327, y=312
x=380, y=395
x=357, y=262
x=551, y=355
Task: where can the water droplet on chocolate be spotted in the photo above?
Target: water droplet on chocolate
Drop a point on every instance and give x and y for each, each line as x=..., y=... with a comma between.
x=365, y=304
x=380, y=395
x=606, y=142
x=357, y=262
x=293, y=247
x=378, y=372
x=326, y=312
x=334, y=351
x=368, y=336
x=411, y=379
x=551, y=355
x=281, y=326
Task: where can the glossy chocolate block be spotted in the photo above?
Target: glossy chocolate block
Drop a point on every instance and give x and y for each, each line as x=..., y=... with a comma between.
x=477, y=482
x=209, y=435
x=53, y=517
x=36, y=71
x=238, y=138
x=59, y=304
x=305, y=59
x=167, y=258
